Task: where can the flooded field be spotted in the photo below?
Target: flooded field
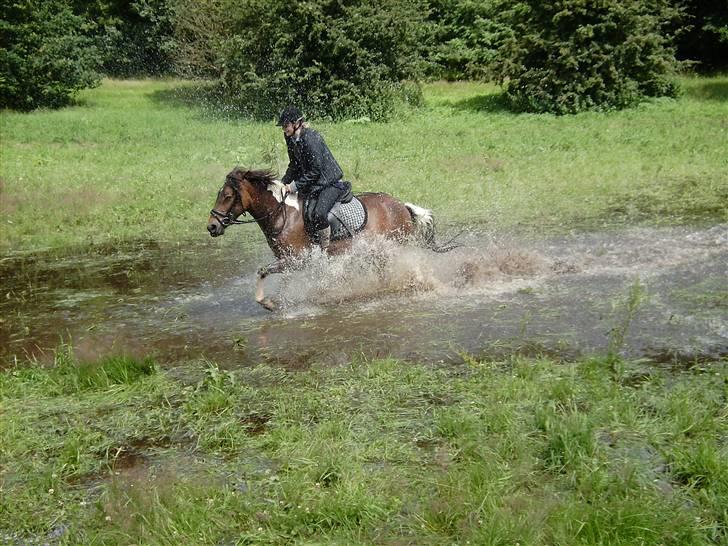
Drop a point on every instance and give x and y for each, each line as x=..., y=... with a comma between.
x=645, y=292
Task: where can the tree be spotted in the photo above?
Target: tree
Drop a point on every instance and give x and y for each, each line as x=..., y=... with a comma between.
x=133, y=36
x=200, y=28
x=45, y=56
x=572, y=55
x=705, y=38
x=465, y=38
x=333, y=58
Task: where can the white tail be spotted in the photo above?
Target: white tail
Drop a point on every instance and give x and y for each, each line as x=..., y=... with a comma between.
x=424, y=225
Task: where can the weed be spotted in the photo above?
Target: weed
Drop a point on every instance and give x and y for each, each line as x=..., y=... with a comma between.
x=629, y=307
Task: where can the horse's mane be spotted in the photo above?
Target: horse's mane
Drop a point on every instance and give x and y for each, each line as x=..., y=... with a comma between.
x=262, y=177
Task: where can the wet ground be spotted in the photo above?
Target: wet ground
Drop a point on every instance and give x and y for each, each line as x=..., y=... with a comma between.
x=645, y=292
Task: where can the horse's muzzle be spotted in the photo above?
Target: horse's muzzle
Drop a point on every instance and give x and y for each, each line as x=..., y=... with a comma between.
x=215, y=229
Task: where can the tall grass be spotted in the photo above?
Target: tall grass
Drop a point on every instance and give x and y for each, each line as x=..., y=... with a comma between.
x=143, y=159
x=528, y=451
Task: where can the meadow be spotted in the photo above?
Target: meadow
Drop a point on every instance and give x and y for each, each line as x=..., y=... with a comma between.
x=517, y=451
x=508, y=449
x=143, y=160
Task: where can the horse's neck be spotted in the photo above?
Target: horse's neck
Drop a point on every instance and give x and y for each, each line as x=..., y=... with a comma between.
x=262, y=203
x=263, y=208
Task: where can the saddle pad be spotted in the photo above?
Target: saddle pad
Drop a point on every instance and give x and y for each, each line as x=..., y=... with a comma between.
x=352, y=218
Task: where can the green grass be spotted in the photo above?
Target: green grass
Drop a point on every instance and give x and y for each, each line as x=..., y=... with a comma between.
x=143, y=159
x=528, y=451
x=505, y=451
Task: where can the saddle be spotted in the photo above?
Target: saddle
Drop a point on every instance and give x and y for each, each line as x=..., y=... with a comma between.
x=347, y=219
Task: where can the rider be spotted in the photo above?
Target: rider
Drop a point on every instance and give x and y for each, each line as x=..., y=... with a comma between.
x=312, y=171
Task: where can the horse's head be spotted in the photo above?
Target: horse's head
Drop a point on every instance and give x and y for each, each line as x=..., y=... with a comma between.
x=228, y=205
x=237, y=196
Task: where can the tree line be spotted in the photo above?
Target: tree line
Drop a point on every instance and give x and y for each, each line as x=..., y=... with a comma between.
x=346, y=58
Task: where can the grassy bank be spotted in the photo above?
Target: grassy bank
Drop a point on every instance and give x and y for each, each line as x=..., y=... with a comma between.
x=138, y=159
x=522, y=451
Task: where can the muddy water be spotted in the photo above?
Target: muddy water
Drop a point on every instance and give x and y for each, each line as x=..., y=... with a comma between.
x=565, y=296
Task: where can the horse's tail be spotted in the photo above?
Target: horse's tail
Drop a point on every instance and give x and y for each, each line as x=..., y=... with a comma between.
x=424, y=223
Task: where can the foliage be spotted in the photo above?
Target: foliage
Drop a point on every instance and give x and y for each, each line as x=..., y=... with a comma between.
x=705, y=38
x=200, y=26
x=45, y=56
x=134, y=37
x=332, y=58
x=572, y=55
x=466, y=35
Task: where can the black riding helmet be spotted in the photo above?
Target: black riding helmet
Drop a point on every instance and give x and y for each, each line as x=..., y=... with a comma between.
x=290, y=114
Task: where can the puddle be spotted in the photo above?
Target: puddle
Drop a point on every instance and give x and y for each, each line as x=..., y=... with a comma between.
x=564, y=297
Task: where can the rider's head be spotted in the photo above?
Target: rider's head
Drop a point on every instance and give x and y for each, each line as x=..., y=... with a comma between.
x=291, y=119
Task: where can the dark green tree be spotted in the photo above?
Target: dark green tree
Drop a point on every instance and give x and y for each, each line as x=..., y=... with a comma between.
x=133, y=36
x=704, y=39
x=45, y=56
x=333, y=58
x=465, y=37
x=573, y=55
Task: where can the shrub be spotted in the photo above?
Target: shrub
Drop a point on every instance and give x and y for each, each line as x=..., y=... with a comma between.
x=200, y=27
x=465, y=37
x=45, y=58
x=705, y=38
x=573, y=55
x=332, y=58
x=138, y=41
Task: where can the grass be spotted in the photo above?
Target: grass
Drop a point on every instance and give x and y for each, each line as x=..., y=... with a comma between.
x=509, y=450
x=528, y=451
x=143, y=159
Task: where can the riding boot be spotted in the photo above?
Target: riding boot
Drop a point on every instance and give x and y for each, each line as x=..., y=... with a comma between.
x=324, y=238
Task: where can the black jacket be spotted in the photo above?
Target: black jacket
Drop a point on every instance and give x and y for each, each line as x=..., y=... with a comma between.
x=312, y=165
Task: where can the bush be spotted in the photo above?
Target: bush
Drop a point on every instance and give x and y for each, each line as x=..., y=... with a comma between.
x=334, y=59
x=466, y=35
x=200, y=28
x=573, y=55
x=45, y=58
x=138, y=41
x=705, y=39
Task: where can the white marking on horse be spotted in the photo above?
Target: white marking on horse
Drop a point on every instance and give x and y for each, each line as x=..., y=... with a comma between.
x=276, y=187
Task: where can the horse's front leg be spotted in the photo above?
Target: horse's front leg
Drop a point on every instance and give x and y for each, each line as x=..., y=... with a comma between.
x=276, y=267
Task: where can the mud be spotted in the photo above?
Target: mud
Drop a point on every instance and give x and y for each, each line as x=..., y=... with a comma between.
x=651, y=293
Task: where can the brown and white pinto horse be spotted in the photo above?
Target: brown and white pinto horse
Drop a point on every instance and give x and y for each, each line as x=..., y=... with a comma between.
x=279, y=216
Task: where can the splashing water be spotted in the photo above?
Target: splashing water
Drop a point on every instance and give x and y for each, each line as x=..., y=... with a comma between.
x=377, y=268
x=562, y=296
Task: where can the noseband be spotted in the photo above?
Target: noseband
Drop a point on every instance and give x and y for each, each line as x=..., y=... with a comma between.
x=227, y=218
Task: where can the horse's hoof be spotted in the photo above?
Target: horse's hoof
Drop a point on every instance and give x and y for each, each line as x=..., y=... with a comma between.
x=268, y=304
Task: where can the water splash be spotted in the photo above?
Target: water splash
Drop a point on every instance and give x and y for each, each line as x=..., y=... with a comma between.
x=558, y=296
x=376, y=269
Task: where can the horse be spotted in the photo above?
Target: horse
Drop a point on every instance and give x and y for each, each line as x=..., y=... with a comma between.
x=279, y=215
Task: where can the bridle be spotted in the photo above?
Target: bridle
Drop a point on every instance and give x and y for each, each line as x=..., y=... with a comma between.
x=228, y=218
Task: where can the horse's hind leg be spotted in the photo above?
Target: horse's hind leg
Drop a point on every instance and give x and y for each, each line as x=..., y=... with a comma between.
x=263, y=272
